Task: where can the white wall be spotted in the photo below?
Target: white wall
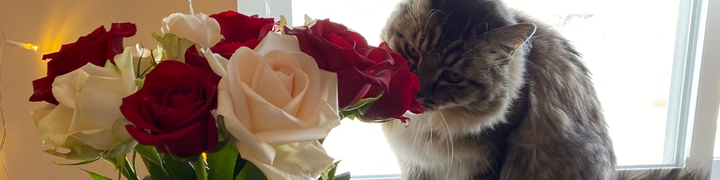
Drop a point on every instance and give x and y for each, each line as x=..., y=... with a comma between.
x=50, y=23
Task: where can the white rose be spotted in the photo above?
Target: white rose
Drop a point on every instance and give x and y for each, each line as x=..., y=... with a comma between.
x=199, y=28
x=276, y=103
x=217, y=63
x=88, y=113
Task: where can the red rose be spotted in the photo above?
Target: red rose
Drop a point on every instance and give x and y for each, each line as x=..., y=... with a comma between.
x=359, y=67
x=172, y=110
x=97, y=48
x=401, y=94
x=240, y=30
x=195, y=59
x=226, y=50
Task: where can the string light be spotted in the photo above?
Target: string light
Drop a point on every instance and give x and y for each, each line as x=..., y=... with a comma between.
x=27, y=46
x=267, y=9
x=2, y=114
x=192, y=12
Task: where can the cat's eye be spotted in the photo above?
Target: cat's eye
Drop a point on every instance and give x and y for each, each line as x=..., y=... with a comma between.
x=452, y=77
x=412, y=53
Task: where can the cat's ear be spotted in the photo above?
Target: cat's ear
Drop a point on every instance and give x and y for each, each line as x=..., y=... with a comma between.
x=509, y=38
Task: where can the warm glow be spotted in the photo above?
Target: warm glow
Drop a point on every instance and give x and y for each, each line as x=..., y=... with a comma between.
x=27, y=46
x=30, y=46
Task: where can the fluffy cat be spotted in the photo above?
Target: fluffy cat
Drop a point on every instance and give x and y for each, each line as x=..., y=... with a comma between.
x=506, y=97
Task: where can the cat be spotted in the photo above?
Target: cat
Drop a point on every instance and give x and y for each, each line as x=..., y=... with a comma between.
x=506, y=97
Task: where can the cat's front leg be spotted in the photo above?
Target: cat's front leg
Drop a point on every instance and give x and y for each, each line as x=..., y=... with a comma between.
x=558, y=159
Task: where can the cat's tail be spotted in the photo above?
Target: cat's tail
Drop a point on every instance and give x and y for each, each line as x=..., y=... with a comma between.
x=661, y=174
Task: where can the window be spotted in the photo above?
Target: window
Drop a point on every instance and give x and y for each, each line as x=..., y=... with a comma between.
x=652, y=64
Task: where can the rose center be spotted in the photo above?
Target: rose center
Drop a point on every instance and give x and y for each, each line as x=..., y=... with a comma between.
x=286, y=77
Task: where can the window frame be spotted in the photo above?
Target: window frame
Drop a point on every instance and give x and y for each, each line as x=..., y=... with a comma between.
x=691, y=127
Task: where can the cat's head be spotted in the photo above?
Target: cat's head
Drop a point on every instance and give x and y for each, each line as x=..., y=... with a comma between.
x=467, y=54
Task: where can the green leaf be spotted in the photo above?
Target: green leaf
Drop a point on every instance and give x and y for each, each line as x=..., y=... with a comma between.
x=78, y=163
x=173, y=45
x=83, y=153
x=96, y=176
x=359, y=108
x=150, y=153
x=329, y=173
x=178, y=169
x=250, y=172
x=222, y=163
x=171, y=169
x=122, y=164
x=156, y=171
x=239, y=164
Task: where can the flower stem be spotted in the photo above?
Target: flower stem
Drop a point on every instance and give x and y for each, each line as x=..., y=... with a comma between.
x=200, y=171
x=129, y=171
x=126, y=169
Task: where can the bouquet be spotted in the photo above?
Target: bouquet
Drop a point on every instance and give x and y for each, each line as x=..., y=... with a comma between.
x=224, y=96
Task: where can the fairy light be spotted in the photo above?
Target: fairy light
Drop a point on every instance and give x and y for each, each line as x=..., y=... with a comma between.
x=4, y=41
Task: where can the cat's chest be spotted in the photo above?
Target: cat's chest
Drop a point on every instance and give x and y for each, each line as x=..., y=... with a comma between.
x=425, y=155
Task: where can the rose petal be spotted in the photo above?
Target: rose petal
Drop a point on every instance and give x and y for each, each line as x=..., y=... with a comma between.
x=93, y=114
x=53, y=123
x=227, y=49
x=236, y=27
x=301, y=161
x=394, y=103
x=268, y=85
x=138, y=112
x=277, y=42
x=217, y=63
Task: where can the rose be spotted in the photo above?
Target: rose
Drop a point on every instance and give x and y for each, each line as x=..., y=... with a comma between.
x=276, y=103
x=240, y=30
x=401, y=96
x=87, y=113
x=360, y=67
x=198, y=28
x=214, y=64
x=236, y=27
x=172, y=111
x=97, y=48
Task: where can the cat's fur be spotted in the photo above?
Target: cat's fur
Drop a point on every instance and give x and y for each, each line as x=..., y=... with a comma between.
x=506, y=96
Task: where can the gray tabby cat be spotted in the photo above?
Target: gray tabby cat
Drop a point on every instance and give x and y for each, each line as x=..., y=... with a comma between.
x=506, y=97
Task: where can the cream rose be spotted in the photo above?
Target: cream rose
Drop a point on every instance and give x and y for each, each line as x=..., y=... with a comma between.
x=217, y=63
x=88, y=112
x=276, y=103
x=198, y=28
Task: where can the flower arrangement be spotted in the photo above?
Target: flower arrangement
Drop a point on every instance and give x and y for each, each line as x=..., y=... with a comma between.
x=224, y=96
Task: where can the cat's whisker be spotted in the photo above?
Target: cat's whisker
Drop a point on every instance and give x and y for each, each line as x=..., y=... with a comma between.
x=450, y=144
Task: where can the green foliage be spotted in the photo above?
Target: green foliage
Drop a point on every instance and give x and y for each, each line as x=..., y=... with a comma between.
x=173, y=45
x=96, y=176
x=358, y=109
x=222, y=163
